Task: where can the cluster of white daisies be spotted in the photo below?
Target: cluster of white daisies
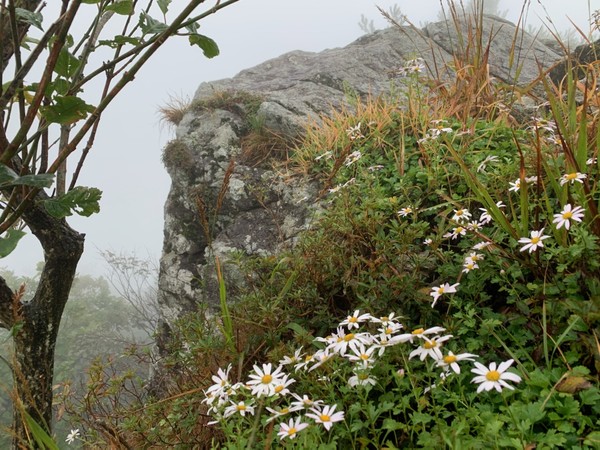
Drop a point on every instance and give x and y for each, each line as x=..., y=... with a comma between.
x=351, y=343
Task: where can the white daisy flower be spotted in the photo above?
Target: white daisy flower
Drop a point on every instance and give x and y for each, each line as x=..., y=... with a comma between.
x=494, y=378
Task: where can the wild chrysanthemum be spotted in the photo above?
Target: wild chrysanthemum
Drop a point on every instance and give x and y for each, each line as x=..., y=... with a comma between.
x=563, y=219
x=352, y=158
x=263, y=381
x=456, y=231
x=326, y=415
x=419, y=333
x=304, y=402
x=572, y=178
x=354, y=132
x=515, y=185
x=289, y=430
x=355, y=320
x=294, y=359
x=220, y=380
x=450, y=361
x=362, y=355
x=469, y=265
x=321, y=357
x=281, y=387
x=534, y=242
x=361, y=378
x=431, y=347
x=438, y=291
x=494, y=378
x=461, y=215
x=74, y=434
x=405, y=211
x=240, y=408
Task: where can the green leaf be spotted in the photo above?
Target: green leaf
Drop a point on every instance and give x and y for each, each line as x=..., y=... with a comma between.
x=30, y=17
x=81, y=200
x=122, y=7
x=9, y=242
x=150, y=25
x=9, y=177
x=120, y=40
x=208, y=46
x=193, y=27
x=66, y=64
x=42, y=439
x=66, y=110
x=164, y=5
x=90, y=2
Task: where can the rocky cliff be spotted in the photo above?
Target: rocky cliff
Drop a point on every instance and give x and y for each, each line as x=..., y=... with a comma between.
x=225, y=195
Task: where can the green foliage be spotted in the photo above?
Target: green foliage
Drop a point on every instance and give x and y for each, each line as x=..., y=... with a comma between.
x=81, y=200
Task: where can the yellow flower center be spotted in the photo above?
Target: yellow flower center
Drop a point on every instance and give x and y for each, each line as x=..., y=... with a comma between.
x=492, y=375
x=385, y=319
x=567, y=215
x=352, y=319
x=362, y=376
x=325, y=418
x=449, y=359
x=284, y=411
x=419, y=331
x=364, y=356
x=430, y=344
x=279, y=388
x=571, y=176
x=459, y=230
x=266, y=379
x=349, y=337
x=460, y=212
x=535, y=240
x=388, y=330
x=292, y=431
x=241, y=407
x=441, y=290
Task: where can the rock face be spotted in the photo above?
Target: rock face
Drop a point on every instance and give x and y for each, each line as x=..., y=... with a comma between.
x=226, y=199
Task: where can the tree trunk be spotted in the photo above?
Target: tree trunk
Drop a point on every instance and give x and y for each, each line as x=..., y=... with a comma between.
x=37, y=321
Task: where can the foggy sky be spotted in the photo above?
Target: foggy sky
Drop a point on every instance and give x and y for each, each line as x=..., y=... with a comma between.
x=125, y=161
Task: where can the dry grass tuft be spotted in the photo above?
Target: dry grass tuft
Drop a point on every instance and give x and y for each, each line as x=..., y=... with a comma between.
x=173, y=111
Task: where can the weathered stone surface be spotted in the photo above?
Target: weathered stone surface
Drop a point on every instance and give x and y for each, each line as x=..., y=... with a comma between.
x=513, y=57
x=260, y=211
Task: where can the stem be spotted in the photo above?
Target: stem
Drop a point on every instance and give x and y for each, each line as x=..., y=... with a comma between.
x=255, y=425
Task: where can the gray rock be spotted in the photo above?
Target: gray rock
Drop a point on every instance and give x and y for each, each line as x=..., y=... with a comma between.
x=223, y=200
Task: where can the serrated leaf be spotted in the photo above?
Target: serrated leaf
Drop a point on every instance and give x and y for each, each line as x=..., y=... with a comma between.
x=150, y=25
x=163, y=5
x=66, y=64
x=122, y=7
x=208, y=46
x=66, y=110
x=30, y=17
x=9, y=241
x=81, y=200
